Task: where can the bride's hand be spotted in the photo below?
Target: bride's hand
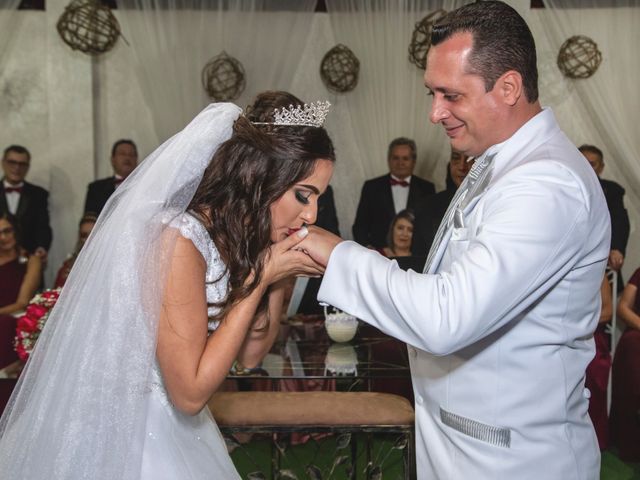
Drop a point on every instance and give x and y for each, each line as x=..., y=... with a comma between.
x=284, y=260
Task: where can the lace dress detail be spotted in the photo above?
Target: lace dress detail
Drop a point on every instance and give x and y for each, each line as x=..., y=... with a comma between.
x=179, y=446
x=217, y=276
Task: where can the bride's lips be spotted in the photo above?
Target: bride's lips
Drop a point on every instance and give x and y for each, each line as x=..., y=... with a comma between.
x=291, y=231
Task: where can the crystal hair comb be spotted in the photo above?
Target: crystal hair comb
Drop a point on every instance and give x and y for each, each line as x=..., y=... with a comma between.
x=307, y=115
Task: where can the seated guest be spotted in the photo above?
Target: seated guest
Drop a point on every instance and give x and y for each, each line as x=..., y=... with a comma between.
x=430, y=211
x=597, y=375
x=84, y=229
x=19, y=275
x=383, y=197
x=124, y=159
x=625, y=400
x=399, y=235
x=29, y=203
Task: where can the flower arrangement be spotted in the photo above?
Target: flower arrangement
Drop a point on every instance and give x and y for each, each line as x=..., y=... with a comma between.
x=32, y=322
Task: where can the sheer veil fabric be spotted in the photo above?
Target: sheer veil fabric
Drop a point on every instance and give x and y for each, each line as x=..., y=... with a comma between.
x=79, y=410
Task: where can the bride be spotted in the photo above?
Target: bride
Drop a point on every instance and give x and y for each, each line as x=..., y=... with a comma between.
x=200, y=237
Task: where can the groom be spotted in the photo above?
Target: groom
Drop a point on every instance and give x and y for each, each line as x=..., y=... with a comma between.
x=500, y=325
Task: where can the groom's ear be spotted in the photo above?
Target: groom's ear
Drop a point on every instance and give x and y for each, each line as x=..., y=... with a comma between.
x=509, y=87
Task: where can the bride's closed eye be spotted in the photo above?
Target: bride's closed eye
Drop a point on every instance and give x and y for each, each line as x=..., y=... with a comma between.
x=303, y=196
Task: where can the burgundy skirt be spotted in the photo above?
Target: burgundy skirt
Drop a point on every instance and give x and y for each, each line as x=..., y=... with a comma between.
x=625, y=399
x=597, y=380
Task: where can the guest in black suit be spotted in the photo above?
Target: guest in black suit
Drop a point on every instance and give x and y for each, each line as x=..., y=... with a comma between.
x=124, y=159
x=28, y=202
x=431, y=210
x=614, y=194
x=383, y=197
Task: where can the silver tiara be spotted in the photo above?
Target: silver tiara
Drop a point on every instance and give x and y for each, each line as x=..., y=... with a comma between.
x=307, y=115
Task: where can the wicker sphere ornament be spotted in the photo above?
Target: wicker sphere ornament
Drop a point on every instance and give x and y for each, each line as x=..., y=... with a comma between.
x=421, y=38
x=88, y=26
x=339, y=69
x=223, y=78
x=579, y=57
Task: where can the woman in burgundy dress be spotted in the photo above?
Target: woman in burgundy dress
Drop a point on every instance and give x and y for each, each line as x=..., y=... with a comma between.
x=19, y=274
x=597, y=375
x=625, y=401
x=19, y=279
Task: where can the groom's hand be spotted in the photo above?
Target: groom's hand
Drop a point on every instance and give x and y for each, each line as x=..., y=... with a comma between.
x=319, y=244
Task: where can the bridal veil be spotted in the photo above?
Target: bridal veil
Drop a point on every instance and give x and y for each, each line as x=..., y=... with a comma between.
x=78, y=411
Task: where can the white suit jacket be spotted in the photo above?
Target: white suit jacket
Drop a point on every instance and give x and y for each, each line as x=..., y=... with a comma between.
x=501, y=329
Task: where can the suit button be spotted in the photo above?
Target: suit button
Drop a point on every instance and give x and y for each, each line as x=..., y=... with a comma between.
x=419, y=400
x=586, y=393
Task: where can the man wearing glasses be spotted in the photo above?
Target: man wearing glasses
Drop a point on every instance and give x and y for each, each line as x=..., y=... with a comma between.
x=26, y=201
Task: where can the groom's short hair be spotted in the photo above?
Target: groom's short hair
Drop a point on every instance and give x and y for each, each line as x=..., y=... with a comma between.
x=502, y=41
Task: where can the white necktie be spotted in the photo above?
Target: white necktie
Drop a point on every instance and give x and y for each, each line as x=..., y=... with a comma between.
x=472, y=185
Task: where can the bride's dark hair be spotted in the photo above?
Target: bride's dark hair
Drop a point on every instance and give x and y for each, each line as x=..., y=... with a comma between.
x=247, y=174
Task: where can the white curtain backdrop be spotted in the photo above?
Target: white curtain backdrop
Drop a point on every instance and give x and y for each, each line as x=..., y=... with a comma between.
x=174, y=39
x=600, y=110
x=9, y=24
x=390, y=99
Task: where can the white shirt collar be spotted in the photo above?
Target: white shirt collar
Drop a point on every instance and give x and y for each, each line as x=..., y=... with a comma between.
x=406, y=179
x=8, y=185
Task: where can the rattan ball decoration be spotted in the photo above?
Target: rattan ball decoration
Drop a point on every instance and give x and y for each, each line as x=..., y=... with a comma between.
x=88, y=26
x=223, y=78
x=579, y=57
x=421, y=38
x=339, y=69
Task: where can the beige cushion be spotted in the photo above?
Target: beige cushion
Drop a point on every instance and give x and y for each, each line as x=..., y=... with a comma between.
x=310, y=408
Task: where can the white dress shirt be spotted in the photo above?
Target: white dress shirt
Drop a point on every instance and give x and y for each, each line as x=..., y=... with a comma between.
x=400, y=194
x=13, y=198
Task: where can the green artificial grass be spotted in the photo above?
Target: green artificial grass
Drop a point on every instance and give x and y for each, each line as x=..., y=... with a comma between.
x=615, y=469
x=315, y=459
x=323, y=457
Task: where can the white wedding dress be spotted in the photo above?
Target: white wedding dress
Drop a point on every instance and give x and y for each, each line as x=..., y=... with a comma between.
x=179, y=446
x=91, y=402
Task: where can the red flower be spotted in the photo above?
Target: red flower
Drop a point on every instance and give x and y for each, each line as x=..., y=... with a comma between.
x=30, y=324
x=36, y=311
x=22, y=353
x=27, y=324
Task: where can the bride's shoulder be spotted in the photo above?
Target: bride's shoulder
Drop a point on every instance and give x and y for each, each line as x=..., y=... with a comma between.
x=191, y=228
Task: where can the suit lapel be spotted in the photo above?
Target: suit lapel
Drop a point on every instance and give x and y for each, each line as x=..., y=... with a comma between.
x=3, y=199
x=465, y=199
x=23, y=203
x=388, y=197
x=413, y=194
